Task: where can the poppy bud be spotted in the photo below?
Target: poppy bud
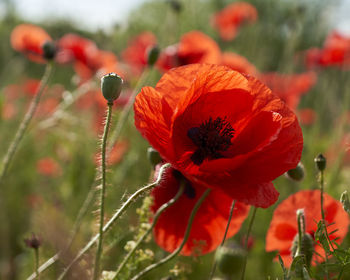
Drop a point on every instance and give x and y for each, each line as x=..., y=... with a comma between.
x=306, y=248
x=230, y=260
x=152, y=55
x=175, y=5
x=111, y=86
x=320, y=162
x=34, y=242
x=153, y=156
x=296, y=174
x=49, y=50
x=344, y=199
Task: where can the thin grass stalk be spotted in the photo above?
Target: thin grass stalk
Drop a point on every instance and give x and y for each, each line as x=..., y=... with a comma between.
x=115, y=217
x=25, y=122
x=223, y=239
x=155, y=220
x=246, y=241
x=178, y=250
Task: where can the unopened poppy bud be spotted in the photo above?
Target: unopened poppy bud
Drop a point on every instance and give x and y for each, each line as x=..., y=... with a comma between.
x=175, y=5
x=320, y=162
x=344, y=199
x=111, y=86
x=153, y=156
x=296, y=174
x=152, y=55
x=230, y=260
x=33, y=242
x=49, y=50
x=306, y=248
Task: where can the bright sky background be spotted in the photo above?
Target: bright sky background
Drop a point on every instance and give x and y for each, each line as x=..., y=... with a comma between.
x=102, y=14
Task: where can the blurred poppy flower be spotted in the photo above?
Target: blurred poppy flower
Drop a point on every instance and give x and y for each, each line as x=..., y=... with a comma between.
x=136, y=52
x=28, y=39
x=284, y=227
x=221, y=129
x=48, y=167
x=209, y=223
x=289, y=87
x=335, y=52
x=238, y=63
x=307, y=116
x=194, y=47
x=228, y=20
x=340, y=150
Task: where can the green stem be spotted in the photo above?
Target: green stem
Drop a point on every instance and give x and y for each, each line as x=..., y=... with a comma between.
x=36, y=252
x=25, y=122
x=178, y=250
x=103, y=192
x=91, y=194
x=246, y=241
x=115, y=217
x=224, y=238
x=125, y=113
x=155, y=220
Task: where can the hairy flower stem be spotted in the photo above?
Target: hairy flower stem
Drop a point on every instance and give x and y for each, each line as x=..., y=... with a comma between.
x=246, y=241
x=36, y=253
x=224, y=238
x=126, y=110
x=115, y=217
x=178, y=250
x=155, y=220
x=91, y=194
x=25, y=122
x=103, y=191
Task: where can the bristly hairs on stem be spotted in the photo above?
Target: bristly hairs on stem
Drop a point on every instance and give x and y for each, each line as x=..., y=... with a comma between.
x=186, y=236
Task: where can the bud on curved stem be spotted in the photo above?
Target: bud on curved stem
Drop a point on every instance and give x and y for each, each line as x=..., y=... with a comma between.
x=111, y=86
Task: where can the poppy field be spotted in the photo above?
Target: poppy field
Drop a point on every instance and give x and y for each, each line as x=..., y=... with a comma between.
x=202, y=139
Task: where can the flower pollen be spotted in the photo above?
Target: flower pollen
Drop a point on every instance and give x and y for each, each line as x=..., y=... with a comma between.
x=211, y=138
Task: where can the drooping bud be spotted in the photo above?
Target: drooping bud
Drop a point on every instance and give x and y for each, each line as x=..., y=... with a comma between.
x=320, y=162
x=153, y=156
x=344, y=199
x=49, y=50
x=230, y=260
x=33, y=242
x=111, y=86
x=296, y=174
x=152, y=55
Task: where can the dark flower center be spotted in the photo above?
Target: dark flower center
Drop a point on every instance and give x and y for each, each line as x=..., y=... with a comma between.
x=189, y=191
x=211, y=138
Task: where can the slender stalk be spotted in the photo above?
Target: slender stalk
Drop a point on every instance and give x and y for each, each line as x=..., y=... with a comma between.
x=246, y=241
x=25, y=122
x=103, y=191
x=155, y=220
x=125, y=113
x=91, y=194
x=115, y=217
x=36, y=252
x=178, y=250
x=224, y=238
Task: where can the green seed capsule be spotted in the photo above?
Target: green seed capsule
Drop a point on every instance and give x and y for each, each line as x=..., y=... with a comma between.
x=296, y=174
x=152, y=55
x=49, y=50
x=230, y=260
x=320, y=162
x=111, y=86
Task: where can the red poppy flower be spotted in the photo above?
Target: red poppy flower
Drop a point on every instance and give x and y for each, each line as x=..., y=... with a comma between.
x=136, y=52
x=28, y=39
x=210, y=221
x=48, y=167
x=335, y=52
x=289, y=88
x=221, y=129
x=228, y=20
x=307, y=116
x=194, y=47
x=238, y=63
x=284, y=227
